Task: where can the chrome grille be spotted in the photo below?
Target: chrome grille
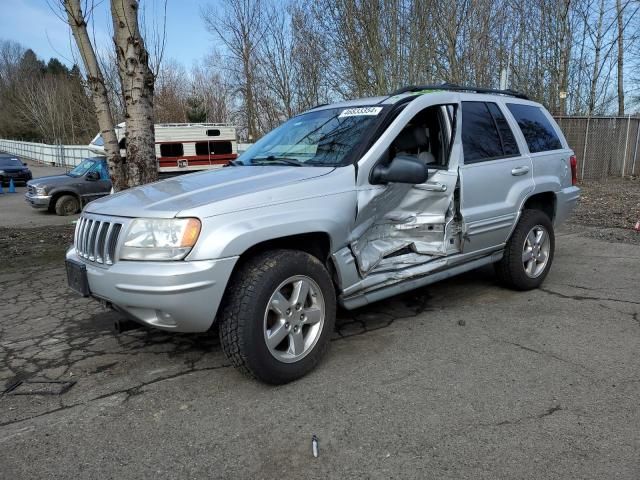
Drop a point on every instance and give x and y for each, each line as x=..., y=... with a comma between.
x=31, y=190
x=96, y=240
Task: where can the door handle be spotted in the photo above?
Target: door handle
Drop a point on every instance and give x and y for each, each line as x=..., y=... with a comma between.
x=519, y=171
x=432, y=187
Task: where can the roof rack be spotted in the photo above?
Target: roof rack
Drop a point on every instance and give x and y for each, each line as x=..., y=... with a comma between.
x=458, y=88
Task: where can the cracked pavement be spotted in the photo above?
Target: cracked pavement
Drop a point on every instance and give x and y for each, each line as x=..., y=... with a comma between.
x=462, y=379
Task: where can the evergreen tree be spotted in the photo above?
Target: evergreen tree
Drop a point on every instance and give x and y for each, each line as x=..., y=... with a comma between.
x=196, y=110
x=55, y=67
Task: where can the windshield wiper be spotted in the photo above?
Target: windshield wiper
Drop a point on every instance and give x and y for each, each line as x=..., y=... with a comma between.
x=273, y=160
x=234, y=163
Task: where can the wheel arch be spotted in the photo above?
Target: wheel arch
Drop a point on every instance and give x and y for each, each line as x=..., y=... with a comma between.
x=59, y=193
x=546, y=202
x=317, y=244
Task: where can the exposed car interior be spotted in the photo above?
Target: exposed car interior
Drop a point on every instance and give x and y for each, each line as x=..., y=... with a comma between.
x=425, y=136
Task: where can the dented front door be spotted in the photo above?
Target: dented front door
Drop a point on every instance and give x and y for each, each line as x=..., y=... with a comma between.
x=401, y=225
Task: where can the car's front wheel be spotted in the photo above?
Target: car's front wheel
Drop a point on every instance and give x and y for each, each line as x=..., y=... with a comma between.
x=529, y=252
x=67, y=205
x=278, y=315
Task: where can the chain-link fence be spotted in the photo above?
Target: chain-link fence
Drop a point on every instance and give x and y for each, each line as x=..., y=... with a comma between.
x=605, y=146
x=59, y=155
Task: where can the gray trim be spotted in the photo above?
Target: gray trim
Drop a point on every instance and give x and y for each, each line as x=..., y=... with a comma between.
x=395, y=289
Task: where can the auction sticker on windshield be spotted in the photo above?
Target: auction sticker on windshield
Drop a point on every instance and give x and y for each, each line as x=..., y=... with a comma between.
x=357, y=112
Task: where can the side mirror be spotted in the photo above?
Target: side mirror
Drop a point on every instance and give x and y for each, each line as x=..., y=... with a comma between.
x=93, y=176
x=401, y=169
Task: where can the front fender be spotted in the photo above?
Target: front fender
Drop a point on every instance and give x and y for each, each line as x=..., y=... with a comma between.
x=56, y=192
x=234, y=233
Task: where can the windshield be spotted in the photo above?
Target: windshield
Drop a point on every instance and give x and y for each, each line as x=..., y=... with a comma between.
x=98, y=141
x=83, y=168
x=10, y=162
x=323, y=138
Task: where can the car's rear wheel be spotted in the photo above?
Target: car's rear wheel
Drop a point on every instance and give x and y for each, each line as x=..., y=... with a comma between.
x=529, y=252
x=278, y=315
x=67, y=205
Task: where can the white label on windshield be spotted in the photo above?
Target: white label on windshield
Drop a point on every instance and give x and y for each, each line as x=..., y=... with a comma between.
x=357, y=112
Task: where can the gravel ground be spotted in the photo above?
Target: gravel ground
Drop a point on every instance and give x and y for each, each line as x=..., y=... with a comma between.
x=609, y=210
x=23, y=247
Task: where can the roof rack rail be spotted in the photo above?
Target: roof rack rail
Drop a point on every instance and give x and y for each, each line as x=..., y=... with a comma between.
x=458, y=88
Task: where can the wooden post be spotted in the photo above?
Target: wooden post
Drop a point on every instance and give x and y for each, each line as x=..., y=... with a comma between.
x=635, y=151
x=584, y=150
x=626, y=145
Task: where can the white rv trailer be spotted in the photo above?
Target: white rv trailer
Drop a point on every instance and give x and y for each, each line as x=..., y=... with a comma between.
x=183, y=147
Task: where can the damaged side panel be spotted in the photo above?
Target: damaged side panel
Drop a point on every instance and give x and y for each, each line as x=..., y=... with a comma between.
x=401, y=226
x=410, y=219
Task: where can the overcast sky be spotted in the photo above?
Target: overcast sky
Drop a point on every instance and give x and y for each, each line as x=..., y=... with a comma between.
x=33, y=24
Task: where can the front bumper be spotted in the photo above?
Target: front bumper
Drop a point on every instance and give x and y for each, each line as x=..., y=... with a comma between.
x=566, y=201
x=38, y=201
x=177, y=296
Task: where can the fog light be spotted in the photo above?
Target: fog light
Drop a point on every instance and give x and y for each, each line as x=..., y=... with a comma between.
x=165, y=319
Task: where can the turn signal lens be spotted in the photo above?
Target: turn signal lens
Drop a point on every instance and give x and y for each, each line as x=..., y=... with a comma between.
x=191, y=232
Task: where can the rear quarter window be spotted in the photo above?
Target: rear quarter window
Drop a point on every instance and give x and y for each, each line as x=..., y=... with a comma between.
x=536, y=128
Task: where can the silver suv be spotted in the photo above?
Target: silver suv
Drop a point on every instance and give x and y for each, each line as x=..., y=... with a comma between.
x=345, y=204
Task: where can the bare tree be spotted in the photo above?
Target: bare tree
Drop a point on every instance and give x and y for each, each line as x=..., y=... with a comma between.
x=75, y=17
x=171, y=90
x=620, y=22
x=240, y=26
x=214, y=86
x=136, y=87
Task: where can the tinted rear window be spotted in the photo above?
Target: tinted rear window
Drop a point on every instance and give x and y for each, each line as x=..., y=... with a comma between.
x=536, y=128
x=509, y=144
x=480, y=140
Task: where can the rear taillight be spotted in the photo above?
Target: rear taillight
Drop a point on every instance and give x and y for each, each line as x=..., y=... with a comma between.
x=573, y=161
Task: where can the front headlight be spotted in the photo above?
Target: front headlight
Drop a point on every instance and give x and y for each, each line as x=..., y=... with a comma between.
x=41, y=191
x=160, y=239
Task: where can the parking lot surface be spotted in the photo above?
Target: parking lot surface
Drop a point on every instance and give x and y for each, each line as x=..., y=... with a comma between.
x=17, y=213
x=462, y=379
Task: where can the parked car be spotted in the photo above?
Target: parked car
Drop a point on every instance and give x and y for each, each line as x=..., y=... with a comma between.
x=345, y=204
x=67, y=194
x=13, y=168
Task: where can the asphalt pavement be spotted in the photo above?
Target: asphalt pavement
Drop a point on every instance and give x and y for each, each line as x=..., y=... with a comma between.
x=462, y=379
x=16, y=212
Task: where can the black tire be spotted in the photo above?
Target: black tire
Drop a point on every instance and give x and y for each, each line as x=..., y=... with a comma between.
x=242, y=314
x=67, y=205
x=511, y=270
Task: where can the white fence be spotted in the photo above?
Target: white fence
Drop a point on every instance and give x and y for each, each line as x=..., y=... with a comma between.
x=59, y=155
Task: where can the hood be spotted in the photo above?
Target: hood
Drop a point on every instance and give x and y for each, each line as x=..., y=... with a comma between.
x=13, y=169
x=52, y=181
x=220, y=191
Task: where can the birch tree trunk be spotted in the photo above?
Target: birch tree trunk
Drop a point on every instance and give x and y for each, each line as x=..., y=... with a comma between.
x=99, y=93
x=596, y=62
x=137, y=82
x=620, y=16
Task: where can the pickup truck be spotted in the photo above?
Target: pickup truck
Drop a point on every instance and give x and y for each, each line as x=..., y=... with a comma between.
x=67, y=194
